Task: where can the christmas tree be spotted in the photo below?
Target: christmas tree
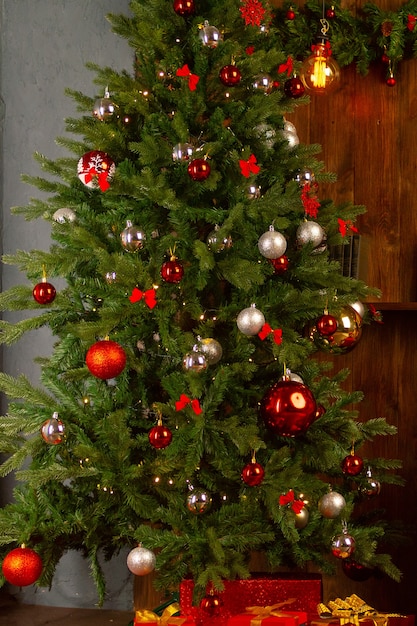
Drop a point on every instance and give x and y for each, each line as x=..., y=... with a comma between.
x=182, y=408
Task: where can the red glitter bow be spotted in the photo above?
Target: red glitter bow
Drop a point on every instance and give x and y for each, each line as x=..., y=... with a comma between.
x=252, y=12
x=267, y=330
x=345, y=225
x=149, y=296
x=249, y=167
x=288, y=67
x=250, y=50
x=184, y=400
x=192, y=78
x=101, y=177
x=288, y=498
x=309, y=199
x=411, y=21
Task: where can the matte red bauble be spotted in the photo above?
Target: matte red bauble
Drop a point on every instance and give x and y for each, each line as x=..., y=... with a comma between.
x=290, y=15
x=253, y=474
x=230, y=75
x=44, y=293
x=294, y=87
x=22, y=566
x=281, y=264
x=356, y=571
x=288, y=408
x=105, y=359
x=160, y=436
x=172, y=271
x=352, y=465
x=184, y=7
x=198, y=169
x=211, y=604
x=326, y=325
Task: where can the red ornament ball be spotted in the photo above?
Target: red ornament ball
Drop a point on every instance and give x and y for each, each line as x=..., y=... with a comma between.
x=281, y=264
x=327, y=325
x=105, y=359
x=391, y=82
x=331, y=13
x=160, y=437
x=184, y=8
x=253, y=474
x=199, y=169
x=230, y=75
x=211, y=604
x=294, y=87
x=288, y=408
x=96, y=170
x=352, y=465
x=22, y=566
x=44, y=293
x=290, y=15
x=172, y=271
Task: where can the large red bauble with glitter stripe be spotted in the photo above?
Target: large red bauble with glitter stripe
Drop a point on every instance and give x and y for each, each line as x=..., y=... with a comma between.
x=22, y=566
x=288, y=408
x=44, y=293
x=106, y=359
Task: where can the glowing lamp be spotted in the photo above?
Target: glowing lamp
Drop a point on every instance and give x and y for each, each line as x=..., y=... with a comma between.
x=320, y=73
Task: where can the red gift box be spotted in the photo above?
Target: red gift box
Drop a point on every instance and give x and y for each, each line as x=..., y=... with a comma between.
x=262, y=590
x=267, y=616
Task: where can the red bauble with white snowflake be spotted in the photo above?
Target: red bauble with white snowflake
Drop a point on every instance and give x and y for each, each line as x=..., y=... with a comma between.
x=253, y=473
x=199, y=169
x=160, y=436
x=184, y=8
x=230, y=75
x=288, y=408
x=172, y=271
x=96, y=170
x=44, y=292
x=106, y=359
x=22, y=566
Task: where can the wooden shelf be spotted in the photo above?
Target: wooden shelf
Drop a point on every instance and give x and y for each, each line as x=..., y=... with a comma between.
x=395, y=306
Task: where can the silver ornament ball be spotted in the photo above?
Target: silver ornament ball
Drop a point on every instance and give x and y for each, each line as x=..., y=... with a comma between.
x=250, y=320
x=272, y=244
x=141, y=561
x=182, y=152
x=359, y=308
x=104, y=108
x=331, y=504
x=198, y=501
x=64, y=215
x=310, y=232
x=194, y=361
x=212, y=350
x=132, y=237
x=210, y=36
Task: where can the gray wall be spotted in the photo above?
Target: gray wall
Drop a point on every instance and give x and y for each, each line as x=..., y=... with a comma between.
x=45, y=45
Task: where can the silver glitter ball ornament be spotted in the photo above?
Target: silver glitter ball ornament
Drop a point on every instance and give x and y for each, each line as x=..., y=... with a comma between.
x=212, y=350
x=272, y=244
x=310, y=232
x=141, y=561
x=331, y=504
x=64, y=215
x=250, y=320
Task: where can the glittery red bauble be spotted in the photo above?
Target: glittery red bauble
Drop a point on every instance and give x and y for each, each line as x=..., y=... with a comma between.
x=391, y=82
x=22, y=567
x=356, y=571
x=211, y=604
x=326, y=325
x=184, y=7
x=352, y=465
x=281, y=264
x=44, y=293
x=198, y=169
x=294, y=87
x=105, y=359
x=160, y=436
x=288, y=408
x=172, y=271
x=253, y=474
x=230, y=75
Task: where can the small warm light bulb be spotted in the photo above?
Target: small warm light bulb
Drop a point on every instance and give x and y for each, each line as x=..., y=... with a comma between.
x=320, y=73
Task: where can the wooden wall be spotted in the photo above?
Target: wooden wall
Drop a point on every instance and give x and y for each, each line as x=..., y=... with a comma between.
x=368, y=132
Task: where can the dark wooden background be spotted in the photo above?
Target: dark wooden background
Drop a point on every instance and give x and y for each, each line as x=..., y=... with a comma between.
x=368, y=132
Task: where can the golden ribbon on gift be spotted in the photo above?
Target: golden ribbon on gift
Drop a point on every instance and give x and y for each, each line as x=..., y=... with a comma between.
x=261, y=612
x=166, y=618
x=353, y=610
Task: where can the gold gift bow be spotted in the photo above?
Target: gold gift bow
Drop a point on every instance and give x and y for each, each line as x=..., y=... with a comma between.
x=149, y=616
x=353, y=610
x=261, y=612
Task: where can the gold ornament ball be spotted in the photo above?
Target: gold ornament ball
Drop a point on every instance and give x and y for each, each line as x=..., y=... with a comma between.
x=141, y=561
x=345, y=338
x=301, y=518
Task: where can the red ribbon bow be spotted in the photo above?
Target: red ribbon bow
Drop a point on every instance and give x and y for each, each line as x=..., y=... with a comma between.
x=192, y=78
x=267, y=330
x=185, y=400
x=149, y=296
x=411, y=21
x=286, y=67
x=309, y=199
x=101, y=177
x=345, y=225
x=289, y=498
x=249, y=167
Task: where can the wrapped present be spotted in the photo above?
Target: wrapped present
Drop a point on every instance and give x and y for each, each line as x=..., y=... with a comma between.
x=354, y=610
x=262, y=590
x=274, y=615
